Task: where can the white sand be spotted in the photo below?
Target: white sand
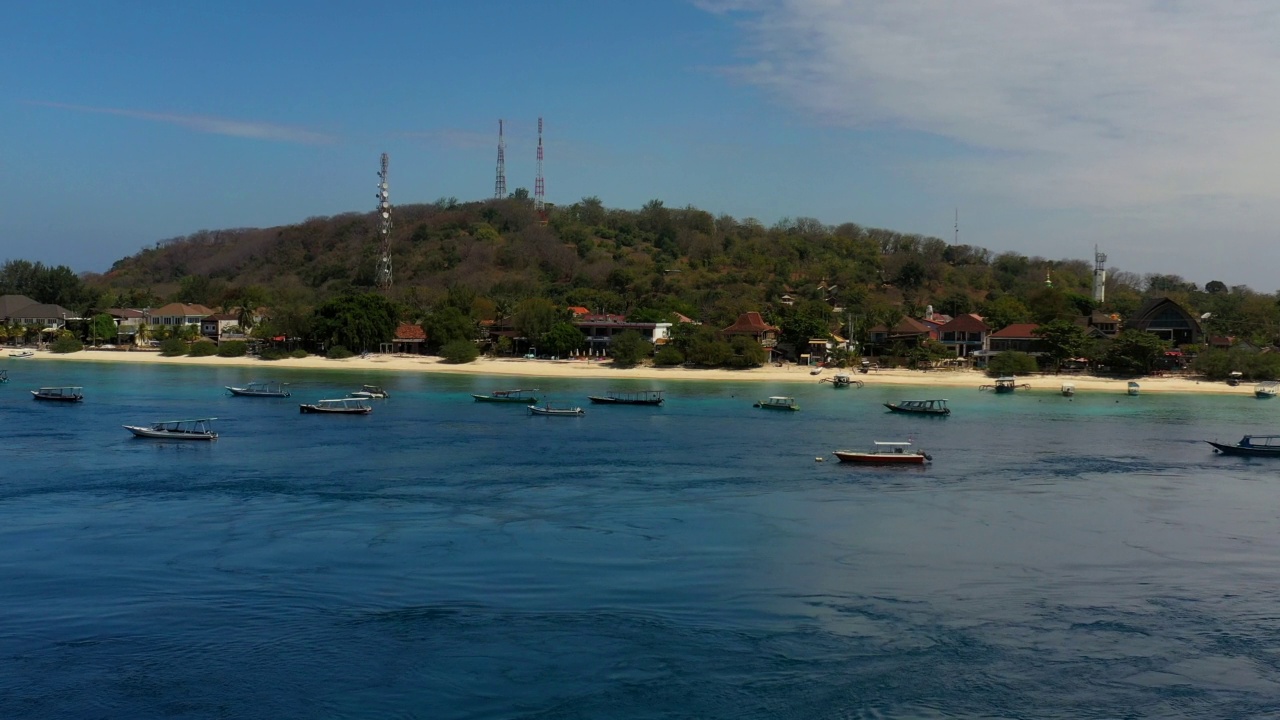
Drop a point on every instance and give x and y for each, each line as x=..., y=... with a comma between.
x=595, y=369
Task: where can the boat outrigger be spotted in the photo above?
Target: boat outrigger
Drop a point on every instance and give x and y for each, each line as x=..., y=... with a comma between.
x=777, y=402
x=370, y=392
x=261, y=389
x=842, y=380
x=885, y=453
x=920, y=407
x=617, y=397
x=1251, y=445
x=523, y=397
x=338, y=406
x=1004, y=385
x=201, y=429
x=59, y=394
x=550, y=409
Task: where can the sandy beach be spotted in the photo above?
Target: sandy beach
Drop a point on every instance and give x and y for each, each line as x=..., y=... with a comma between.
x=512, y=367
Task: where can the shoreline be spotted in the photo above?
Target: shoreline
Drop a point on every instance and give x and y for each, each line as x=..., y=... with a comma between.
x=590, y=370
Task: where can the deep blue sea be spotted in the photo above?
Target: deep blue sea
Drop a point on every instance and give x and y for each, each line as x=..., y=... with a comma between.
x=441, y=558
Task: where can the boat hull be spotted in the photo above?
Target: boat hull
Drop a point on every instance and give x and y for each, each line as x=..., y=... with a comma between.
x=153, y=434
x=936, y=413
x=57, y=398
x=912, y=458
x=556, y=412
x=313, y=409
x=518, y=401
x=1245, y=451
x=241, y=392
x=616, y=401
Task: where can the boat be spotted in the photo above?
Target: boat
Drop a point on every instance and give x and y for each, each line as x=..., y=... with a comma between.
x=21, y=354
x=523, y=397
x=842, y=380
x=201, y=429
x=920, y=407
x=639, y=397
x=4, y=376
x=1251, y=445
x=885, y=453
x=549, y=409
x=261, y=389
x=1068, y=389
x=777, y=402
x=369, y=392
x=1133, y=388
x=1266, y=389
x=1234, y=378
x=1005, y=385
x=338, y=406
x=59, y=394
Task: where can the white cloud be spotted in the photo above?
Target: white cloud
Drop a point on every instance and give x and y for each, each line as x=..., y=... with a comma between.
x=208, y=124
x=1066, y=103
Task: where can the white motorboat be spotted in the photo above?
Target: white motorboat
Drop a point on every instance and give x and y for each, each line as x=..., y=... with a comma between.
x=201, y=429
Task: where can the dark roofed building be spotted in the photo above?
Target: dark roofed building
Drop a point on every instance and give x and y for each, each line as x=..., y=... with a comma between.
x=965, y=334
x=1167, y=320
x=1016, y=337
x=750, y=323
x=409, y=339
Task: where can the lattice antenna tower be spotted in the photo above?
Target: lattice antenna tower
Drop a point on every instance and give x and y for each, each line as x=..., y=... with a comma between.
x=500, y=184
x=384, y=209
x=539, y=185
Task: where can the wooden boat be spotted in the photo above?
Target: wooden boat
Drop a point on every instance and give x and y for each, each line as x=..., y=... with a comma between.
x=1133, y=388
x=1005, y=385
x=842, y=380
x=777, y=402
x=21, y=354
x=59, y=394
x=885, y=453
x=1251, y=445
x=369, y=392
x=1266, y=390
x=920, y=407
x=261, y=389
x=201, y=429
x=1068, y=389
x=639, y=397
x=338, y=406
x=523, y=397
x=549, y=409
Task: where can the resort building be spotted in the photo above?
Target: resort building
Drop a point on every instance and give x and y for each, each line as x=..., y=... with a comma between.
x=751, y=324
x=1167, y=320
x=1017, y=337
x=22, y=310
x=127, y=322
x=965, y=335
x=908, y=331
x=409, y=339
x=216, y=325
x=601, y=329
x=178, y=315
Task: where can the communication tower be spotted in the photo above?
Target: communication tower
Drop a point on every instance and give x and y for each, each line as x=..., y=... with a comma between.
x=1099, y=276
x=956, y=241
x=384, y=209
x=539, y=186
x=500, y=185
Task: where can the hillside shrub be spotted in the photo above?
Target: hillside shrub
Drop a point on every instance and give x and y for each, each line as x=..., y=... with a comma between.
x=66, y=344
x=668, y=357
x=233, y=348
x=299, y=354
x=458, y=352
x=203, y=348
x=1011, y=363
x=338, y=352
x=173, y=347
x=272, y=353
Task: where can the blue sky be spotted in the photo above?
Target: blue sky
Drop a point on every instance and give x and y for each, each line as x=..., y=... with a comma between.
x=1147, y=128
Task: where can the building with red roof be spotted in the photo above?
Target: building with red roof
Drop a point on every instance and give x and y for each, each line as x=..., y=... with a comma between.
x=750, y=323
x=965, y=334
x=1016, y=337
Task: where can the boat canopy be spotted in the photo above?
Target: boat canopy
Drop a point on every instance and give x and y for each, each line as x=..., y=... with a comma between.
x=879, y=443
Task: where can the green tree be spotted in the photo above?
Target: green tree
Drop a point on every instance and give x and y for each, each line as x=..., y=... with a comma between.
x=805, y=320
x=1062, y=339
x=668, y=357
x=102, y=329
x=66, y=344
x=458, y=352
x=534, y=317
x=629, y=348
x=446, y=325
x=562, y=339
x=1134, y=351
x=357, y=322
x=745, y=352
x=1011, y=363
x=1004, y=311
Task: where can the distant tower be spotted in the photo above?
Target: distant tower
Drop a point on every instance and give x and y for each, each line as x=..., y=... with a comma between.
x=500, y=185
x=383, y=277
x=1099, y=276
x=957, y=238
x=539, y=187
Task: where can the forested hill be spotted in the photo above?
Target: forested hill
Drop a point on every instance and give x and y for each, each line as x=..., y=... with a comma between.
x=656, y=260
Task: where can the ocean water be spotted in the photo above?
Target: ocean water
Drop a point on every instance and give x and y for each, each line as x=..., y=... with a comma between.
x=441, y=558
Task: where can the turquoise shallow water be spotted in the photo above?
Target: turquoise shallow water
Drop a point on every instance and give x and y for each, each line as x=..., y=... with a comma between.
x=442, y=558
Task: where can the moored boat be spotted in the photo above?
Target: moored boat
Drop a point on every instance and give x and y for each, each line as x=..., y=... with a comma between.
x=1004, y=385
x=21, y=354
x=778, y=402
x=1265, y=390
x=338, y=406
x=261, y=389
x=618, y=397
x=523, y=397
x=59, y=394
x=201, y=429
x=842, y=380
x=885, y=453
x=1133, y=388
x=369, y=392
x=920, y=407
x=4, y=376
x=550, y=409
x=1068, y=389
x=1251, y=445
